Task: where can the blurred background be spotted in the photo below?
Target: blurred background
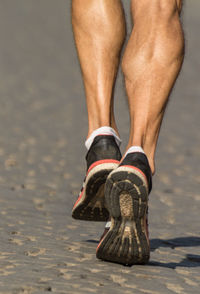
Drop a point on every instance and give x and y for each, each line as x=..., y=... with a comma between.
x=43, y=124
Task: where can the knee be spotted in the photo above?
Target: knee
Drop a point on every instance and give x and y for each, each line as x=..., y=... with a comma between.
x=169, y=8
x=168, y=16
x=179, y=5
x=172, y=31
x=156, y=9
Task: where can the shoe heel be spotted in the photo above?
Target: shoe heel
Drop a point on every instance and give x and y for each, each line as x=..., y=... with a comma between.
x=126, y=242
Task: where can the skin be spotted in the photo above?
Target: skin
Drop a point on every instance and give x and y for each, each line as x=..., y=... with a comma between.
x=151, y=62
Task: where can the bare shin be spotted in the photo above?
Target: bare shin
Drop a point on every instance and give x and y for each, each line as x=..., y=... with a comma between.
x=99, y=31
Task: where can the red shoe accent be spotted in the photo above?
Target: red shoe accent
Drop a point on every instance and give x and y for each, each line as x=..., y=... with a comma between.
x=139, y=170
x=101, y=241
x=101, y=162
x=79, y=198
x=90, y=168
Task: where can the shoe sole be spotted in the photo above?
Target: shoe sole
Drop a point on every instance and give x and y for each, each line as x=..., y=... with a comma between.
x=126, y=195
x=90, y=205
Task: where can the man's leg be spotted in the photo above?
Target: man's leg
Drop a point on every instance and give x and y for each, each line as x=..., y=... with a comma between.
x=151, y=64
x=99, y=31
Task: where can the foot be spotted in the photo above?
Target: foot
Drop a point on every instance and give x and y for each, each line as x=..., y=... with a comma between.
x=102, y=158
x=126, y=194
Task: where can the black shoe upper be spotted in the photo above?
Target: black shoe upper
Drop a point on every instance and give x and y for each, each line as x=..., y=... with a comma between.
x=139, y=160
x=103, y=147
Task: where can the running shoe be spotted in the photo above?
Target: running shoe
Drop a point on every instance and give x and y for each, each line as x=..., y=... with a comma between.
x=126, y=195
x=103, y=157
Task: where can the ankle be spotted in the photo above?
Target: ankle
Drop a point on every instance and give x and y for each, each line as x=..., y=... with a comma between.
x=152, y=166
x=94, y=127
x=103, y=130
x=139, y=148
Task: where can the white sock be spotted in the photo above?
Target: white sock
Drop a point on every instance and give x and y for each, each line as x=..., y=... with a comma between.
x=102, y=131
x=134, y=149
x=107, y=225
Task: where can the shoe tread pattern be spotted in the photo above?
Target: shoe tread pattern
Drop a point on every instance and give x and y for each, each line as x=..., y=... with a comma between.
x=126, y=241
x=93, y=207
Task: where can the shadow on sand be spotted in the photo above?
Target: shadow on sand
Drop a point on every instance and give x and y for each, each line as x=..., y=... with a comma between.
x=190, y=260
